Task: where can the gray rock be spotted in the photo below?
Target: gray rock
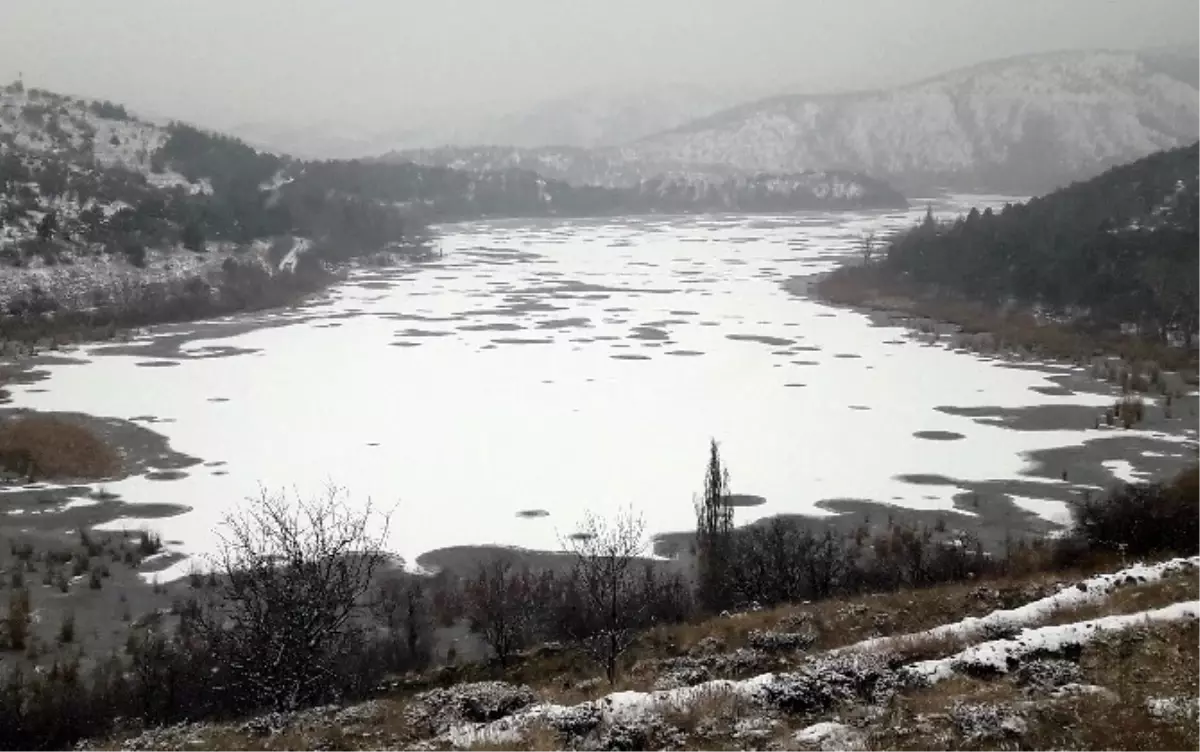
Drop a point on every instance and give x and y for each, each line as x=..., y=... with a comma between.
x=987, y=723
x=478, y=702
x=1046, y=675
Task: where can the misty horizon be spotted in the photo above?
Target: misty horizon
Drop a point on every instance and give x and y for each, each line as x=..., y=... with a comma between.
x=375, y=68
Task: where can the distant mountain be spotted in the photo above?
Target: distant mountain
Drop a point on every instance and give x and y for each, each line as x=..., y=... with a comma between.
x=593, y=119
x=1024, y=124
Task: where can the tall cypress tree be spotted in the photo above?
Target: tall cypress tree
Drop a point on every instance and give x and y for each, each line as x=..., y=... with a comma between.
x=714, y=537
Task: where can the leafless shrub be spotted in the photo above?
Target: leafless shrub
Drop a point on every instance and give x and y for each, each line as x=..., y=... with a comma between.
x=295, y=575
x=608, y=589
x=498, y=606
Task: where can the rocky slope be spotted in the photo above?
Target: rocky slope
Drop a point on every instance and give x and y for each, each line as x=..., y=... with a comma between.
x=1104, y=659
x=1022, y=125
x=108, y=218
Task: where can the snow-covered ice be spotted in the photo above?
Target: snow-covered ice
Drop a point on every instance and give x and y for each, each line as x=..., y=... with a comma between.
x=570, y=366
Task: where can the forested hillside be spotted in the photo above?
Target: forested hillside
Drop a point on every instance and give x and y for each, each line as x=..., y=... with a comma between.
x=1119, y=249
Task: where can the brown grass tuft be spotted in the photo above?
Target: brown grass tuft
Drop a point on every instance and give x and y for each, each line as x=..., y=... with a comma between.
x=57, y=448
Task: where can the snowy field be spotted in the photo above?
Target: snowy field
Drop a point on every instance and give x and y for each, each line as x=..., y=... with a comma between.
x=570, y=366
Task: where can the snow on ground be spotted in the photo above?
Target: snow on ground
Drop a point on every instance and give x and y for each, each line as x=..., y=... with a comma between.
x=1058, y=512
x=1123, y=470
x=999, y=656
x=995, y=656
x=1092, y=590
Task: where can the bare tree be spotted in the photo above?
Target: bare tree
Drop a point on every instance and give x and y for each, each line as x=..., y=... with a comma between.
x=498, y=607
x=866, y=245
x=403, y=608
x=295, y=575
x=607, y=577
x=714, y=537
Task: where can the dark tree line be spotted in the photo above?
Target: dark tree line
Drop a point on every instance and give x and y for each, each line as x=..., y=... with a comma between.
x=1119, y=248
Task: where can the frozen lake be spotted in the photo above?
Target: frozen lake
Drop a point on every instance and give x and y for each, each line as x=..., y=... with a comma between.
x=568, y=366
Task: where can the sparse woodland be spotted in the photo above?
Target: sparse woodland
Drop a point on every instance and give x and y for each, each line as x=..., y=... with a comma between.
x=303, y=607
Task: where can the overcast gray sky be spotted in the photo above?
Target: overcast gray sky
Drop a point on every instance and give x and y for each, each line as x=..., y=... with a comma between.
x=384, y=62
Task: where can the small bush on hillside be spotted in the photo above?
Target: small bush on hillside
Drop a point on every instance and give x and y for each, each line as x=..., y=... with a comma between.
x=1143, y=518
x=52, y=447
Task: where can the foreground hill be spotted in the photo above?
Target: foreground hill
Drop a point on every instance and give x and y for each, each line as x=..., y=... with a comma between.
x=1023, y=125
x=1027, y=662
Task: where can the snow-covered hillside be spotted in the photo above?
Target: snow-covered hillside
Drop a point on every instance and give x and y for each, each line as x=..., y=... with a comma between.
x=43, y=123
x=1025, y=123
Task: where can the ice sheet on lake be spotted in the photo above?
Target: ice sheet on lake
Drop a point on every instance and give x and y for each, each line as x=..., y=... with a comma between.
x=460, y=431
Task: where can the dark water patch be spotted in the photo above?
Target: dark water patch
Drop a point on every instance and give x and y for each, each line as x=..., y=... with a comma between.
x=761, y=338
x=606, y=337
x=576, y=322
x=796, y=384
x=157, y=363
x=521, y=341
x=150, y=419
x=661, y=323
x=847, y=356
x=805, y=348
x=1039, y=417
x=895, y=342
x=497, y=326
x=514, y=309
x=618, y=309
x=372, y=443
x=826, y=315
x=166, y=475
x=218, y=399
x=926, y=479
x=805, y=363
x=859, y=407
x=532, y=513
x=402, y=343
x=648, y=333
x=684, y=352
x=1053, y=391
x=216, y=463
x=423, y=333
x=684, y=313
x=745, y=500
x=939, y=435
x=629, y=356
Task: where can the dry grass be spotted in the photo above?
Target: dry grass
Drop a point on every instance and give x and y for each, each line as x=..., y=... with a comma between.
x=845, y=620
x=536, y=736
x=57, y=448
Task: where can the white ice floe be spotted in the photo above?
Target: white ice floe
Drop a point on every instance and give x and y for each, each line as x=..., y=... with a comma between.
x=1000, y=656
x=1123, y=470
x=1092, y=590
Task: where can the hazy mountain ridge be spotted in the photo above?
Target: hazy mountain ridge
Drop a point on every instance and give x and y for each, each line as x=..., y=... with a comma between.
x=1019, y=124
x=596, y=118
